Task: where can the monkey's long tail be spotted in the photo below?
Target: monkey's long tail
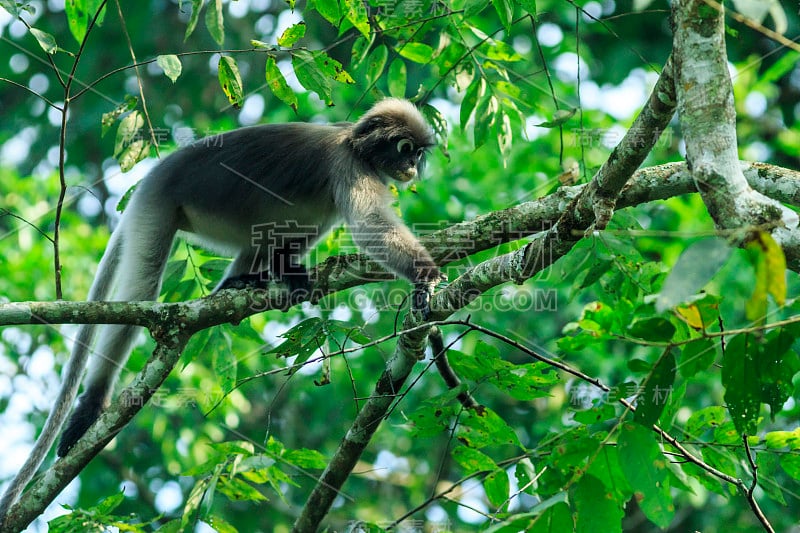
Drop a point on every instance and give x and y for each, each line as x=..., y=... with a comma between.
x=71, y=379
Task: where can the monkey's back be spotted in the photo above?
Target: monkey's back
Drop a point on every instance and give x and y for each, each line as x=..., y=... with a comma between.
x=276, y=173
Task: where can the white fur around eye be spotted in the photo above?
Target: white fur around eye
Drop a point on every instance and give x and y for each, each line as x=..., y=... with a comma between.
x=401, y=146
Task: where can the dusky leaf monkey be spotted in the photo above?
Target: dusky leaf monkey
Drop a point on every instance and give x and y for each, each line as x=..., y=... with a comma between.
x=310, y=175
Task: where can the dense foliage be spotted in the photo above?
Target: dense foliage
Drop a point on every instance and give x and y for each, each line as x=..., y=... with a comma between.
x=656, y=319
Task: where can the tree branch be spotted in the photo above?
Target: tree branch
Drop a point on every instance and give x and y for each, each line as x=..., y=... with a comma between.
x=44, y=490
x=410, y=349
x=708, y=121
x=516, y=266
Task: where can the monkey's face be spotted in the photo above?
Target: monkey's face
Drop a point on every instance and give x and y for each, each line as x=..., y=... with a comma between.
x=400, y=159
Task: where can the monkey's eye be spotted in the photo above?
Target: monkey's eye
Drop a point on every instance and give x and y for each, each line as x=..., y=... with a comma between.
x=405, y=146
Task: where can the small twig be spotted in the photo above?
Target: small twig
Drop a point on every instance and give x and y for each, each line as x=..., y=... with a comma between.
x=62, y=152
x=37, y=95
x=446, y=371
x=6, y=213
x=124, y=26
x=749, y=491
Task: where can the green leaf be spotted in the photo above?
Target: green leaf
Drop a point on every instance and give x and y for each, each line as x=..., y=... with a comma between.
x=215, y=22
x=697, y=356
x=13, y=7
x=109, y=504
x=171, y=66
x=45, y=40
x=255, y=43
x=496, y=486
x=721, y=458
x=292, y=34
x=79, y=13
x=173, y=275
x=434, y=415
x=302, y=340
x=472, y=460
x=504, y=135
x=277, y=84
x=193, y=501
x=129, y=146
x=706, y=418
x=482, y=428
x=529, y=6
x=315, y=69
x=219, y=525
x=109, y=118
x=195, y=346
x=501, y=51
x=767, y=464
x=606, y=468
x=740, y=379
x=305, y=458
x=594, y=508
x=657, y=390
x=777, y=366
x=238, y=490
x=595, y=414
x=646, y=470
x=356, y=13
x=329, y=9
x=550, y=516
x=473, y=7
x=376, y=64
x=397, y=78
x=331, y=67
x=224, y=361
x=523, y=382
x=230, y=80
x=360, y=51
x=474, y=92
x=791, y=464
x=197, y=7
x=417, y=52
x=505, y=10
x=654, y=329
x=484, y=118
x=692, y=271
x=559, y=117
x=783, y=439
x=310, y=76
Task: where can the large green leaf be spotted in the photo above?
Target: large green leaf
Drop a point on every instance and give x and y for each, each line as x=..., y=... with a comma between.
x=594, y=507
x=645, y=467
x=657, y=391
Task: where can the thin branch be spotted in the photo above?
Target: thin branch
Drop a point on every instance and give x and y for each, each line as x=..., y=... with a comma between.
x=6, y=213
x=42, y=97
x=752, y=24
x=749, y=492
x=138, y=76
x=62, y=153
x=112, y=420
x=410, y=349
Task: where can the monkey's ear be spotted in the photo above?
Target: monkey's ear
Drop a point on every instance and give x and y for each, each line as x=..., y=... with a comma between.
x=367, y=134
x=367, y=126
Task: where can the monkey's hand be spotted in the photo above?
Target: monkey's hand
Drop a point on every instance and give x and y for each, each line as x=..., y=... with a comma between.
x=423, y=290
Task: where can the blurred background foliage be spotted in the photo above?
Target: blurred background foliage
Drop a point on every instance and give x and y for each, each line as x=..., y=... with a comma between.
x=531, y=71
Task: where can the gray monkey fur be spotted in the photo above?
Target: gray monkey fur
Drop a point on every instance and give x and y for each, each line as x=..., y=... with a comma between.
x=216, y=192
